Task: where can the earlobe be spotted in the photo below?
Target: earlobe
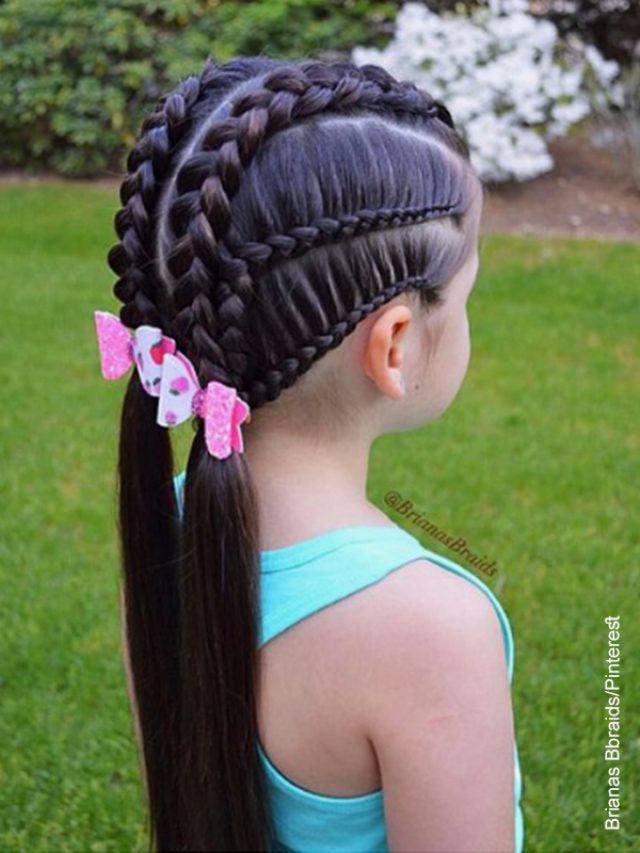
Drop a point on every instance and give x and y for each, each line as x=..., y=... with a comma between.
x=384, y=350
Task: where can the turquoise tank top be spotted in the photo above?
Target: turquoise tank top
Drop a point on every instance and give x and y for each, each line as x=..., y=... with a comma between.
x=296, y=581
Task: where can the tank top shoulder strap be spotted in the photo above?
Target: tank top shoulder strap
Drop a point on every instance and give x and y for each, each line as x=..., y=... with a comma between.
x=505, y=625
x=300, y=579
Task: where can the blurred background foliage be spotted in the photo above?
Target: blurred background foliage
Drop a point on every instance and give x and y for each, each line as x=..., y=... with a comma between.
x=77, y=76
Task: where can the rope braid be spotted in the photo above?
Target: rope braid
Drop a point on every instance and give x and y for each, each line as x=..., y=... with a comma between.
x=211, y=321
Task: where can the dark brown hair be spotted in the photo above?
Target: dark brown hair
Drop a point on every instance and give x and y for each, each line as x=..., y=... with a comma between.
x=269, y=207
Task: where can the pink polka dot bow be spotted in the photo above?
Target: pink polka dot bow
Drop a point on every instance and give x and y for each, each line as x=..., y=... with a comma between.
x=168, y=374
x=182, y=396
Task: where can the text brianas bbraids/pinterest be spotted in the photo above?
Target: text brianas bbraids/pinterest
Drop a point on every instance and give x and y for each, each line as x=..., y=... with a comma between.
x=612, y=708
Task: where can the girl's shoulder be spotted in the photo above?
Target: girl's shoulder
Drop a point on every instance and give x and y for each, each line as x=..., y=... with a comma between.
x=439, y=604
x=423, y=625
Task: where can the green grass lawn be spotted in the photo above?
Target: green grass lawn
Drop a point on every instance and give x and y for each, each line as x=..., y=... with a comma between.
x=535, y=465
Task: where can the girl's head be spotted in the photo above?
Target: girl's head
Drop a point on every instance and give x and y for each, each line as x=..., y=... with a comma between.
x=307, y=232
x=400, y=368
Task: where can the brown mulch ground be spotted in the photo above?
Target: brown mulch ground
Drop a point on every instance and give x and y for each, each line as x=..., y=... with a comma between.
x=588, y=193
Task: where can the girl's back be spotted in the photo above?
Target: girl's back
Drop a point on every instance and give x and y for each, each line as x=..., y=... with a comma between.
x=349, y=616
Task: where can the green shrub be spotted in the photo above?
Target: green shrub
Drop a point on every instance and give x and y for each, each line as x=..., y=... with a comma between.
x=76, y=76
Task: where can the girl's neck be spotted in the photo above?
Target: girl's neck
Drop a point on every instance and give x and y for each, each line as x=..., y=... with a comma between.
x=306, y=486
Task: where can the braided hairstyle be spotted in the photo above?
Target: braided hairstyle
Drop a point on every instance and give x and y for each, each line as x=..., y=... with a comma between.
x=270, y=207
x=212, y=263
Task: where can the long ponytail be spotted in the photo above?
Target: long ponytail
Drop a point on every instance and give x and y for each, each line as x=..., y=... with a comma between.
x=150, y=545
x=183, y=672
x=191, y=596
x=223, y=804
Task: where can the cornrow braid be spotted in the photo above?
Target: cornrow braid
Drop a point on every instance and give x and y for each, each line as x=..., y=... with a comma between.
x=288, y=369
x=264, y=254
x=148, y=164
x=211, y=323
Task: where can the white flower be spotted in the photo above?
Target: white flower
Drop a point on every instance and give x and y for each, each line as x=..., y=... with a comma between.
x=506, y=77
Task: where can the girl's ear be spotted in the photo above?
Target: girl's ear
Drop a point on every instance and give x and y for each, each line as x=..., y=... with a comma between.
x=383, y=353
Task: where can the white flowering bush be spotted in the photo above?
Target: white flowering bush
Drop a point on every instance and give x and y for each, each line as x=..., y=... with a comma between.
x=508, y=79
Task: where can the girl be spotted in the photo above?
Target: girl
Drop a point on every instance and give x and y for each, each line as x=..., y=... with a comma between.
x=301, y=238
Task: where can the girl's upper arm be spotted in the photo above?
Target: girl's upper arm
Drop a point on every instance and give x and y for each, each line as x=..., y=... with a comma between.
x=440, y=718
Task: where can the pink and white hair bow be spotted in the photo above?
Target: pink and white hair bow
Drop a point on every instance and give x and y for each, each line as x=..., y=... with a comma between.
x=168, y=374
x=146, y=348
x=219, y=405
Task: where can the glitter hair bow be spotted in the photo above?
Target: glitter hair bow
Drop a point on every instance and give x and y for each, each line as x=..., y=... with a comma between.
x=219, y=405
x=119, y=349
x=168, y=374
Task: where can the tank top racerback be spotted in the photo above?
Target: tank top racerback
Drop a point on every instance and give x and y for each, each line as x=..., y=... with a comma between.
x=299, y=580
